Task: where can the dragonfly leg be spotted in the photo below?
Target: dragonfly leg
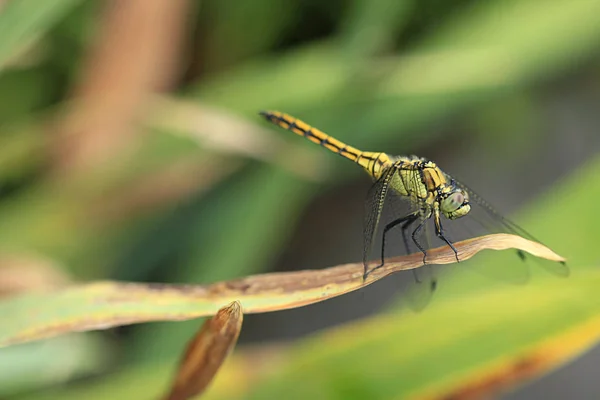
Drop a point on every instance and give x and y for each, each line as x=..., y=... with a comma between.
x=405, y=228
x=405, y=221
x=414, y=238
x=440, y=233
x=433, y=281
x=405, y=239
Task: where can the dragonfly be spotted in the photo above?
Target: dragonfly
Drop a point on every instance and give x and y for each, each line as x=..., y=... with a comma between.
x=431, y=194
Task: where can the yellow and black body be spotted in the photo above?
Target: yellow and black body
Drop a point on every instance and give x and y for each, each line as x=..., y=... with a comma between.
x=420, y=181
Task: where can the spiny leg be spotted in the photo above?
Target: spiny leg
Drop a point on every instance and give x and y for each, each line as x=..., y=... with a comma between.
x=405, y=221
x=433, y=281
x=449, y=243
x=439, y=230
x=405, y=228
x=414, y=238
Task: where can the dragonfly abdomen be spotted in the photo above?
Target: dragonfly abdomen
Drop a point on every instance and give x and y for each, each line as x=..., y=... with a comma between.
x=373, y=162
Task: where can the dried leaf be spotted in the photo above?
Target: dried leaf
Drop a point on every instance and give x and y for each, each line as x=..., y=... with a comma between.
x=206, y=352
x=106, y=304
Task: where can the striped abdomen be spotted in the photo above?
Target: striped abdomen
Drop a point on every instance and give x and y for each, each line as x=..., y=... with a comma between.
x=374, y=163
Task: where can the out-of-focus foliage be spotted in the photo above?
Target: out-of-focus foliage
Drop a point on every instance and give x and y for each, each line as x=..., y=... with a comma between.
x=139, y=198
x=507, y=333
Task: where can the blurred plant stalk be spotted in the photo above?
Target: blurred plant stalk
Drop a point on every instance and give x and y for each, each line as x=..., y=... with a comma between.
x=136, y=54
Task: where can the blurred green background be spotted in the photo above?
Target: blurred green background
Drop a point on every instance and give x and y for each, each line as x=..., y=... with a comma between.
x=131, y=149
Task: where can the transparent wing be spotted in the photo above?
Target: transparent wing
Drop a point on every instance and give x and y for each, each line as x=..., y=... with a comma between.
x=484, y=219
x=389, y=233
x=389, y=224
x=373, y=209
x=384, y=207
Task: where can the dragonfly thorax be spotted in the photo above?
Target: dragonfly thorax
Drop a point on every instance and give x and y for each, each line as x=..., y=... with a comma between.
x=426, y=184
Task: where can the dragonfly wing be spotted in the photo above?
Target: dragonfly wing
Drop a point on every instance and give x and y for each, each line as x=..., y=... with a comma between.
x=390, y=221
x=385, y=209
x=373, y=210
x=484, y=219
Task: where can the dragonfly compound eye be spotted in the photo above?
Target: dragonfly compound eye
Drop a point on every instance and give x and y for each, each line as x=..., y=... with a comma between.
x=455, y=205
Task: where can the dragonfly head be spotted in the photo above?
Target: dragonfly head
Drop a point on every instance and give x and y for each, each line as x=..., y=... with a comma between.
x=455, y=203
